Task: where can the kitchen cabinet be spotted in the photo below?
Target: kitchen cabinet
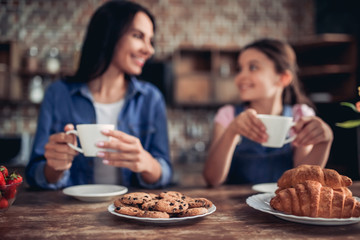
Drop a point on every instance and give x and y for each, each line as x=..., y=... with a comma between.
x=15, y=76
x=205, y=76
x=327, y=67
x=18, y=114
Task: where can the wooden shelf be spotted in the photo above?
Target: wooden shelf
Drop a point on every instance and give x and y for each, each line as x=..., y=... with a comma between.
x=202, y=76
x=16, y=103
x=43, y=73
x=323, y=40
x=195, y=73
x=329, y=69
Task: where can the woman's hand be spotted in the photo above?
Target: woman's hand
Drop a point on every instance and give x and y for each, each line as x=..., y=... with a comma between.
x=248, y=125
x=312, y=130
x=58, y=154
x=129, y=152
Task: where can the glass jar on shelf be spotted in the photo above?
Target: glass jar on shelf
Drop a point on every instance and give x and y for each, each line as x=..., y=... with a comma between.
x=52, y=62
x=36, y=89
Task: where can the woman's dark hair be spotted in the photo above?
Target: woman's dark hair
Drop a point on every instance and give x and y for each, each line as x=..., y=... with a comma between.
x=284, y=58
x=108, y=24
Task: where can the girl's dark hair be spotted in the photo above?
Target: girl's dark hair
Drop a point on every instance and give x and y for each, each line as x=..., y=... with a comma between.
x=108, y=24
x=284, y=58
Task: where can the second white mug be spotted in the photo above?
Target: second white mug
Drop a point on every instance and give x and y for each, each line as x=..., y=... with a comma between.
x=277, y=128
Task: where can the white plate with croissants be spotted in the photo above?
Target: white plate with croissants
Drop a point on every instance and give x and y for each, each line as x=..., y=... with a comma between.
x=311, y=195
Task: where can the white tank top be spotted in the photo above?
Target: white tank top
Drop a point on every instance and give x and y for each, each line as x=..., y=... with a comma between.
x=107, y=113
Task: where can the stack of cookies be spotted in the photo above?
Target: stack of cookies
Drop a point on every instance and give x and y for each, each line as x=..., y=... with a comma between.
x=164, y=205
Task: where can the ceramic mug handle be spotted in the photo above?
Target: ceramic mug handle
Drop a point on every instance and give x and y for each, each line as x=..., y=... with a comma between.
x=72, y=145
x=292, y=138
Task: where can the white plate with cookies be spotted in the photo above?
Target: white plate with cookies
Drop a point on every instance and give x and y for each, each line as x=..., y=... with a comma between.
x=112, y=207
x=261, y=202
x=165, y=207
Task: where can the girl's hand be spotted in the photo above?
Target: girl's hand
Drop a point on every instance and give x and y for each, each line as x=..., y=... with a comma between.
x=58, y=154
x=312, y=130
x=248, y=125
x=129, y=152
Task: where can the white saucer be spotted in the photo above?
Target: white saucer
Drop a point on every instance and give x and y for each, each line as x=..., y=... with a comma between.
x=265, y=187
x=95, y=192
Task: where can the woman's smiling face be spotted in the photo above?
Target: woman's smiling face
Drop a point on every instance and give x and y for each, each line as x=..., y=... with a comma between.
x=257, y=78
x=135, y=46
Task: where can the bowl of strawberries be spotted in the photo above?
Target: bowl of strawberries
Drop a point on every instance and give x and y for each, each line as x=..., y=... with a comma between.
x=8, y=187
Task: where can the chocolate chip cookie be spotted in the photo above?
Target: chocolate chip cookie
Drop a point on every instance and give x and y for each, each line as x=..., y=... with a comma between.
x=171, y=194
x=154, y=196
x=199, y=202
x=193, y=212
x=154, y=214
x=149, y=206
x=171, y=205
x=118, y=203
x=131, y=211
x=135, y=198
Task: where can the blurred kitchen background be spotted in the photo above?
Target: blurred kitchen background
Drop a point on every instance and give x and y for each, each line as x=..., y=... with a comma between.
x=196, y=44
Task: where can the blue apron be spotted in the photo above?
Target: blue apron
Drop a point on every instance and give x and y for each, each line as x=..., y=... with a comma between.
x=253, y=163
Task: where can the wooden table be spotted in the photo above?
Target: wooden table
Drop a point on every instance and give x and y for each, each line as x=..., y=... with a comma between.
x=52, y=215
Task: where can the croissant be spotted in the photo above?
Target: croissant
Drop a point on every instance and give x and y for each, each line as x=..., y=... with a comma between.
x=314, y=200
x=343, y=190
x=327, y=177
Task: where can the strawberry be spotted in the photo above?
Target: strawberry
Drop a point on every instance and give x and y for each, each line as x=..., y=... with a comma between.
x=2, y=182
x=4, y=203
x=14, y=178
x=4, y=171
x=10, y=192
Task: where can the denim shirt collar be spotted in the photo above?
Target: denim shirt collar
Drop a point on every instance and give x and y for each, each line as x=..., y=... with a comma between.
x=82, y=88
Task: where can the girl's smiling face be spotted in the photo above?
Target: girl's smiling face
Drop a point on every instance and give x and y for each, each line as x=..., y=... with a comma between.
x=257, y=78
x=135, y=46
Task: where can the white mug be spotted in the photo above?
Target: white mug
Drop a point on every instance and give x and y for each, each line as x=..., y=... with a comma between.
x=277, y=128
x=89, y=135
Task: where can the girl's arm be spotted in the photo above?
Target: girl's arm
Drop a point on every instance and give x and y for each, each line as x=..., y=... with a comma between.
x=220, y=154
x=224, y=142
x=313, y=142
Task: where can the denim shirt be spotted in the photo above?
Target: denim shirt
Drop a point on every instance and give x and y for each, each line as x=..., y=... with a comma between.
x=253, y=163
x=143, y=116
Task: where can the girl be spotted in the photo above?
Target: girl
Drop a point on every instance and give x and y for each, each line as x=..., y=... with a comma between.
x=105, y=90
x=267, y=84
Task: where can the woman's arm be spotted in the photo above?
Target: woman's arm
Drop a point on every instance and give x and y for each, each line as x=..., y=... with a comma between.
x=39, y=173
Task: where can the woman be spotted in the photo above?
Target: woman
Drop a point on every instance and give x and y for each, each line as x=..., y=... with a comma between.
x=267, y=84
x=105, y=90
